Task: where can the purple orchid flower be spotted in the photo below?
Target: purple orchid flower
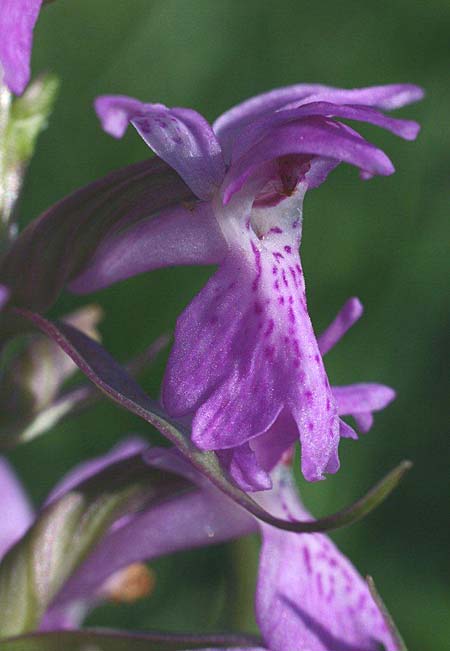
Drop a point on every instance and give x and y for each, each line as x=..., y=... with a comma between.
x=245, y=358
x=156, y=530
x=309, y=596
x=17, y=21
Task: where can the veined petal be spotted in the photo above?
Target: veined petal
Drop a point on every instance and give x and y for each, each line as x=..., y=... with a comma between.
x=66, y=235
x=229, y=125
x=309, y=596
x=17, y=20
x=182, y=235
x=16, y=514
x=406, y=129
x=360, y=400
x=312, y=135
x=181, y=137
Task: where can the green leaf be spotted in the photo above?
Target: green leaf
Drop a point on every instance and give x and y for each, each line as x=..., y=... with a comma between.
x=28, y=117
x=105, y=640
x=98, y=365
x=35, y=569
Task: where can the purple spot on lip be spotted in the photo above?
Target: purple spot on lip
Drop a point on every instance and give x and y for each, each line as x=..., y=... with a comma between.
x=274, y=270
x=278, y=256
x=275, y=229
x=276, y=285
x=307, y=559
x=258, y=308
x=328, y=404
x=177, y=140
x=299, y=269
x=270, y=328
x=257, y=254
x=269, y=350
x=283, y=275
x=310, y=426
x=291, y=315
x=281, y=300
x=291, y=300
x=288, y=249
x=317, y=359
x=309, y=396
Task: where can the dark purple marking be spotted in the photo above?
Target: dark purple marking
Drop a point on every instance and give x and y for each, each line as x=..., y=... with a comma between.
x=295, y=224
x=307, y=559
x=177, y=140
x=296, y=348
x=276, y=285
x=294, y=277
x=258, y=308
x=283, y=275
x=308, y=395
x=311, y=426
x=247, y=224
x=281, y=300
x=278, y=256
x=269, y=351
x=291, y=315
x=299, y=269
x=275, y=229
x=291, y=300
x=328, y=404
x=270, y=328
x=274, y=270
x=317, y=358
x=288, y=248
x=257, y=255
x=319, y=583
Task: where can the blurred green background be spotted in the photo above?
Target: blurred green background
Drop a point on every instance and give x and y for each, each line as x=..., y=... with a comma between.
x=385, y=241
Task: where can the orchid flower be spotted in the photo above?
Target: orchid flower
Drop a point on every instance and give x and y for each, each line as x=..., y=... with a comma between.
x=245, y=357
x=159, y=528
x=17, y=21
x=309, y=596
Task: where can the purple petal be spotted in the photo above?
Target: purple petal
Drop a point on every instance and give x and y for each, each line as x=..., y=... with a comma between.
x=244, y=467
x=245, y=349
x=181, y=137
x=17, y=20
x=87, y=469
x=4, y=295
x=309, y=596
x=349, y=313
x=406, y=129
x=193, y=519
x=16, y=514
x=229, y=125
x=66, y=235
x=313, y=135
x=177, y=236
x=360, y=400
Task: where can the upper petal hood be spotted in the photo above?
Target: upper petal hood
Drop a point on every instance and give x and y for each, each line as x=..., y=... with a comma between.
x=230, y=124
